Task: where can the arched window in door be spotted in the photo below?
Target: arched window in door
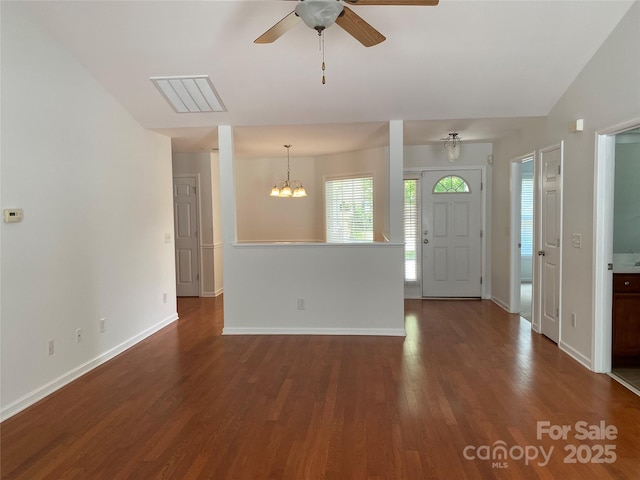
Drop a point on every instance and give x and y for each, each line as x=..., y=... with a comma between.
x=451, y=184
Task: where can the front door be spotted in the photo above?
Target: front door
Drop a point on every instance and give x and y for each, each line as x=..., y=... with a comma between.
x=551, y=161
x=452, y=233
x=185, y=207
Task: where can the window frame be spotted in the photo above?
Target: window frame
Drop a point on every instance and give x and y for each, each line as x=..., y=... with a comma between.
x=451, y=176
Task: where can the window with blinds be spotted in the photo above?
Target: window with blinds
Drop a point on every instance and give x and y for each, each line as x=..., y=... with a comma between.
x=526, y=217
x=349, y=209
x=410, y=222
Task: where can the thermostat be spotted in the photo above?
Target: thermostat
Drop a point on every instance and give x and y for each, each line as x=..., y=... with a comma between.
x=12, y=215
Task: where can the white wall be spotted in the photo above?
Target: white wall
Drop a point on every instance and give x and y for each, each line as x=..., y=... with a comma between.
x=347, y=289
x=518, y=144
x=96, y=192
x=417, y=157
x=201, y=164
x=604, y=94
x=218, y=273
x=262, y=218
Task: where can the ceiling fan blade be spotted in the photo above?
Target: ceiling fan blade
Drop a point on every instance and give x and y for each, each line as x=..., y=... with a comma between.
x=359, y=29
x=425, y=3
x=278, y=29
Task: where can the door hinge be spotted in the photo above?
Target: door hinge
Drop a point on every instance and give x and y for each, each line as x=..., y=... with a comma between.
x=558, y=244
x=519, y=245
x=194, y=189
x=559, y=169
x=481, y=233
x=480, y=280
x=557, y=312
x=481, y=186
x=197, y=276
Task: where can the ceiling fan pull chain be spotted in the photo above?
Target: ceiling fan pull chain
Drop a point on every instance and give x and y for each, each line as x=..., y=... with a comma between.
x=323, y=68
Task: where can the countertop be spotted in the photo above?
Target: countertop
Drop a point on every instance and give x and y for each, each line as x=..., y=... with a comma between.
x=626, y=263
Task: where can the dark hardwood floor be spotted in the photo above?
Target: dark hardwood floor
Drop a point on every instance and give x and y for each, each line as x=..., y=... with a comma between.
x=188, y=403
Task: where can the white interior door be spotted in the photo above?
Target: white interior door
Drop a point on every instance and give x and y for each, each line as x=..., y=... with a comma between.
x=452, y=233
x=550, y=251
x=185, y=208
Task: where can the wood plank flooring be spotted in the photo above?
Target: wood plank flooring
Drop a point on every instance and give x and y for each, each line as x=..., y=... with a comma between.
x=188, y=403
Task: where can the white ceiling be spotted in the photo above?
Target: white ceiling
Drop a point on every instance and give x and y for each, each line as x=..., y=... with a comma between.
x=481, y=68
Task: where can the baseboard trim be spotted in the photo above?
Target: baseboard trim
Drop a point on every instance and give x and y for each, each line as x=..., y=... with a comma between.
x=212, y=294
x=576, y=355
x=381, y=332
x=75, y=373
x=500, y=303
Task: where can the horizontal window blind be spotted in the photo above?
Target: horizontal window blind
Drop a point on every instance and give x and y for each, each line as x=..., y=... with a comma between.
x=526, y=217
x=410, y=222
x=349, y=209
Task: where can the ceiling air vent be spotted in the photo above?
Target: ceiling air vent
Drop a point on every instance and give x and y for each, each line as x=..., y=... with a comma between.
x=193, y=94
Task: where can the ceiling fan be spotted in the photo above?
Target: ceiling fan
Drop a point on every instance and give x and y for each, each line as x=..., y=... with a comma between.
x=320, y=14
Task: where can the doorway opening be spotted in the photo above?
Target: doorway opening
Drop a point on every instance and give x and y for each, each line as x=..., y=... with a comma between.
x=605, y=262
x=522, y=234
x=186, y=223
x=526, y=237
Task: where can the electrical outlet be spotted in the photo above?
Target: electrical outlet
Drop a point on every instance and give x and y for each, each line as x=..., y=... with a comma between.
x=52, y=347
x=573, y=319
x=78, y=335
x=103, y=325
x=301, y=304
x=164, y=297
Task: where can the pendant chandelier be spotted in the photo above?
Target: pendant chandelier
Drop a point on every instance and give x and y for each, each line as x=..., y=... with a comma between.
x=288, y=188
x=452, y=145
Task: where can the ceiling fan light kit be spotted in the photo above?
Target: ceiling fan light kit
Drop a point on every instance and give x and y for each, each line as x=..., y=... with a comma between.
x=319, y=14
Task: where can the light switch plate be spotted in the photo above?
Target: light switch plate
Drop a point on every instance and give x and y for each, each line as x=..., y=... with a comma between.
x=576, y=240
x=12, y=215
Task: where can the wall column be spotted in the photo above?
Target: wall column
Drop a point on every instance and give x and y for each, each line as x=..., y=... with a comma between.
x=396, y=185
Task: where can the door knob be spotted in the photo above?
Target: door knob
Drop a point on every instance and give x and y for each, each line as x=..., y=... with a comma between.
x=425, y=241
x=541, y=253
